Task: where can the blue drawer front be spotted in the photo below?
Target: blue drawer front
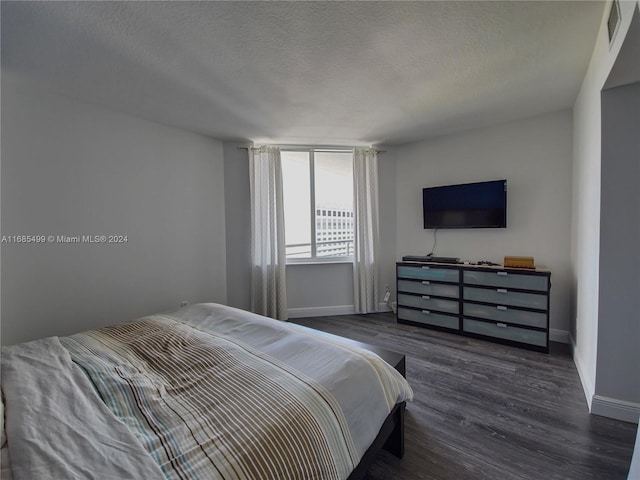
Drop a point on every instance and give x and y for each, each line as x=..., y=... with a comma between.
x=501, y=313
x=506, y=279
x=427, y=302
x=522, y=335
x=426, y=287
x=501, y=296
x=428, y=318
x=425, y=272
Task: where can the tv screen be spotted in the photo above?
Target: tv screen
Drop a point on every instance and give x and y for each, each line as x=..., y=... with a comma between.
x=469, y=205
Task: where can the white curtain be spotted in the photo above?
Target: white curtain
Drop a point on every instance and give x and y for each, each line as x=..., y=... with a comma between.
x=365, y=190
x=268, y=281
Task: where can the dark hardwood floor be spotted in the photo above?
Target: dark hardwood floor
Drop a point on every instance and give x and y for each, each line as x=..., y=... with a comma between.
x=488, y=411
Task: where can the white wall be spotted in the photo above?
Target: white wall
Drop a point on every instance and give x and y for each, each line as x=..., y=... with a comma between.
x=238, y=224
x=70, y=168
x=618, y=367
x=585, y=242
x=534, y=155
x=320, y=289
x=387, y=185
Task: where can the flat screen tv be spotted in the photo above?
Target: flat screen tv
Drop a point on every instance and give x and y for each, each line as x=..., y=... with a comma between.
x=469, y=205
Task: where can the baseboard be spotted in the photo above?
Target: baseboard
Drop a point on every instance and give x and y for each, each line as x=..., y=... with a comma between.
x=329, y=311
x=561, y=336
x=599, y=404
x=321, y=311
x=614, y=408
x=383, y=307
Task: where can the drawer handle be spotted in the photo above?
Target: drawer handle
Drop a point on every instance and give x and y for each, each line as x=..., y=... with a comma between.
x=426, y=282
x=501, y=307
x=426, y=312
x=426, y=297
x=424, y=267
x=501, y=325
x=503, y=273
x=501, y=290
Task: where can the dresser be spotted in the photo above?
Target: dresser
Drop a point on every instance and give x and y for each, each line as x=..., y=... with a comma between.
x=506, y=305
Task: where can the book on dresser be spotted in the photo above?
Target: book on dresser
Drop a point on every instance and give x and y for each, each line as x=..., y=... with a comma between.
x=505, y=305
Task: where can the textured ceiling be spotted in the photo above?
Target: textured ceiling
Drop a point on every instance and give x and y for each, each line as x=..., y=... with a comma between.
x=308, y=72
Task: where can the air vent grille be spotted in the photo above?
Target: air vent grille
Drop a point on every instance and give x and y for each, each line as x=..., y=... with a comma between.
x=614, y=19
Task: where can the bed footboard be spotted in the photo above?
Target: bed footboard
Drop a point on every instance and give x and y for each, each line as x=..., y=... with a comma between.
x=395, y=441
x=390, y=437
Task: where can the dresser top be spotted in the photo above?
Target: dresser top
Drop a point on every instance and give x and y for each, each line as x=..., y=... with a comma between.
x=539, y=269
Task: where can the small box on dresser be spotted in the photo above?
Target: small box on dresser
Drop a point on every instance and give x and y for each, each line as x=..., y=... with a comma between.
x=505, y=305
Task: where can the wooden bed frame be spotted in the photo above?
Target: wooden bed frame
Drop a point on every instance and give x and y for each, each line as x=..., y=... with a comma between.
x=390, y=437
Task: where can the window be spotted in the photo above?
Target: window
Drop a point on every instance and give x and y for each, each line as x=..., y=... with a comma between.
x=318, y=204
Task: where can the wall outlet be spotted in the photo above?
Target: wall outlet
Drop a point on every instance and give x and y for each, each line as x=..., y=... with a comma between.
x=183, y=303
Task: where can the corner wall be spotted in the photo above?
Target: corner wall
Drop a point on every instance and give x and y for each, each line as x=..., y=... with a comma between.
x=72, y=169
x=586, y=219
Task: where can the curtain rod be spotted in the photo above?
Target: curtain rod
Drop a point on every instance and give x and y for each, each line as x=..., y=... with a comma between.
x=317, y=148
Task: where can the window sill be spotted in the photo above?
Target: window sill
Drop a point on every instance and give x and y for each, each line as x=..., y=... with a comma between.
x=318, y=261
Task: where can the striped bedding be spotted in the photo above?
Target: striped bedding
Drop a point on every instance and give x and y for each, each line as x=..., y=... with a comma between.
x=170, y=384
x=207, y=392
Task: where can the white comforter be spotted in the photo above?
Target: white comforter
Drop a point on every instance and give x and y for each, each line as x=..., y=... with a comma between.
x=57, y=426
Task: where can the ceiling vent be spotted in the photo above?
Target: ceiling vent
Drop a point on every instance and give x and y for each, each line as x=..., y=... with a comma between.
x=614, y=20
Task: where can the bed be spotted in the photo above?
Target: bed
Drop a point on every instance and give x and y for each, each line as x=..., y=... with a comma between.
x=208, y=391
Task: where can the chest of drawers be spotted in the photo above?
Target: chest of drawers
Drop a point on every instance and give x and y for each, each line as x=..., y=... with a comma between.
x=500, y=304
